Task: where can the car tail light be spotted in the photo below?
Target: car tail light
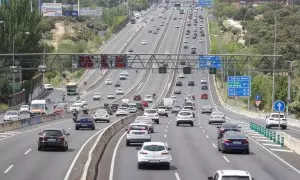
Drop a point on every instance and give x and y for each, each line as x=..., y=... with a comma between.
x=61, y=138
x=245, y=141
x=165, y=153
x=227, y=141
x=43, y=138
x=143, y=152
x=222, y=130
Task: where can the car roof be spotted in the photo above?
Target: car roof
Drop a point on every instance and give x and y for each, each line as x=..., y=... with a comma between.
x=154, y=143
x=54, y=129
x=234, y=172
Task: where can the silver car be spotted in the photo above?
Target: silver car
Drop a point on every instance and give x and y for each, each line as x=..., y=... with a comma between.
x=207, y=109
x=217, y=117
x=147, y=120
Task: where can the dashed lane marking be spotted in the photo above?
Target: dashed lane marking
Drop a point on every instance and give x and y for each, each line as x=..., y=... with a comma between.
x=28, y=151
x=273, y=145
x=177, y=176
x=207, y=136
x=8, y=169
x=282, y=150
x=226, y=159
x=165, y=136
x=8, y=134
x=214, y=145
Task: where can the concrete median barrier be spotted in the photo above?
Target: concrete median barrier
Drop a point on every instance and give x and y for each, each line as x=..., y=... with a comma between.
x=91, y=165
x=290, y=142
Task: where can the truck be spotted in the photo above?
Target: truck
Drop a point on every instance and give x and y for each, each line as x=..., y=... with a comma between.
x=169, y=102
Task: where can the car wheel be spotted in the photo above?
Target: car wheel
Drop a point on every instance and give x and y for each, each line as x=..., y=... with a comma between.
x=108, y=121
x=139, y=165
x=219, y=148
x=192, y=124
x=152, y=131
x=209, y=122
x=168, y=166
x=93, y=128
x=76, y=128
x=247, y=151
x=177, y=124
x=117, y=115
x=223, y=151
x=267, y=127
x=40, y=148
x=127, y=143
x=201, y=112
x=284, y=127
x=66, y=147
x=167, y=115
x=157, y=122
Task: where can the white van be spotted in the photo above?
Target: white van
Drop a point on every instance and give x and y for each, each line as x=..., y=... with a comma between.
x=40, y=107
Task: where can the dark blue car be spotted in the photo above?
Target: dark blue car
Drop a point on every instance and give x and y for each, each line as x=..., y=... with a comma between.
x=85, y=122
x=233, y=141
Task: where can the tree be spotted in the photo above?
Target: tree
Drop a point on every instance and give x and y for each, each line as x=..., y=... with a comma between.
x=138, y=5
x=50, y=75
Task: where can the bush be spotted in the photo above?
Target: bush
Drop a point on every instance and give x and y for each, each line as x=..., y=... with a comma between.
x=295, y=108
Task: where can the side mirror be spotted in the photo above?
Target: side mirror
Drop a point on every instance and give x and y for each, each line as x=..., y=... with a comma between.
x=68, y=134
x=169, y=149
x=210, y=178
x=138, y=148
x=40, y=133
x=126, y=129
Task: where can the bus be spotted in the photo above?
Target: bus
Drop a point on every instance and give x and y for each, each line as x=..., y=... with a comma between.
x=132, y=20
x=71, y=89
x=177, y=5
x=181, y=11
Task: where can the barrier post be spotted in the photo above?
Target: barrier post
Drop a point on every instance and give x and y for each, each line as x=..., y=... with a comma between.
x=278, y=139
x=282, y=141
x=274, y=137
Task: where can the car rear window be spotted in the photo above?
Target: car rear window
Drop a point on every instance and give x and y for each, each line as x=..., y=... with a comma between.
x=185, y=113
x=151, y=111
x=229, y=126
x=52, y=133
x=162, y=107
x=235, y=135
x=84, y=120
x=188, y=107
x=235, y=178
x=277, y=116
x=154, y=148
x=138, y=127
x=101, y=112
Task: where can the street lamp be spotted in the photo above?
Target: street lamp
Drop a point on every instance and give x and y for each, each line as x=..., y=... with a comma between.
x=274, y=62
x=15, y=69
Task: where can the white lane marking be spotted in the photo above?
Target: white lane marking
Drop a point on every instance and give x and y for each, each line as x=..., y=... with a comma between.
x=279, y=158
x=177, y=176
x=8, y=169
x=282, y=150
x=28, y=151
x=166, y=130
x=214, y=145
x=165, y=136
x=264, y=140
x=69, y=128
x=167, y=126
x=78, y=154
x=226, y=159
x=113, y=159
x=168, y=122
x=207, y=136
x=203, y=130
x=201, y=127
x=273, y=145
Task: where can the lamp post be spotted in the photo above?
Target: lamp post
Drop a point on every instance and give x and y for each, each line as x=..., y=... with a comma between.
x=274, y=62
x=15, y=69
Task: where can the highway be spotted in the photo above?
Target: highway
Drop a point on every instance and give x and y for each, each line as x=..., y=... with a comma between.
x=194, y=149
x=19, y=156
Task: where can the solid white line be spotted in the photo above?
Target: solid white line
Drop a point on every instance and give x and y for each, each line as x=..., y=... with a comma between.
x=207, y=136
x=273, y=145
x=201, y=127
x=78, y=153
x=166, y=130
x=113, y=159
x=177, y=176
x=281, y=150
x=167, y=126
x=28, y=151
x=165, y=136
x=214, y=145
x=8, y=169
x=279, y=158
x=226, y=159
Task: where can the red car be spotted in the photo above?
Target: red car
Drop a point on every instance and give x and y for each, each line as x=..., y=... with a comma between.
x=145, y=103
x=204, y=96
x=137, y=98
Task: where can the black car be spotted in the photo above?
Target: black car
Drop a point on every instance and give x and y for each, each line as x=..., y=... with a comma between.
x=108, y=109
x=227, y=127
x=185, y=46
x=178, y=83
x=53, y=138
x=177, y=91
x=182, y=62
x=204, y=87
x=130, y=50
x=118, y=84
x=86, y=122
x=114, y=107
x=191, y=83
x=233, y=141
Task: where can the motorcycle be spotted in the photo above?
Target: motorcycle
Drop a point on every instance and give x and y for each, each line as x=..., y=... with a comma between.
x=74, y=117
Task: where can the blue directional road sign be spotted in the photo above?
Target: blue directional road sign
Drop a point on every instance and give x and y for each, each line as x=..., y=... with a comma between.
x=279, y=106
x=210, y=62
x=205, y=3
x=257, y=97
x=239, y=86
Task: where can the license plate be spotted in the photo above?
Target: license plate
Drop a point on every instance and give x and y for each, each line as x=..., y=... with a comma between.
x=84, y=125
x=51, y=140
x=237, y=142
x=154, y=161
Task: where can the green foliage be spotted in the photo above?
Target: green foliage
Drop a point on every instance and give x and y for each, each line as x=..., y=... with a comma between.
x=295, y=108
x=138, y=5
x=50, y=75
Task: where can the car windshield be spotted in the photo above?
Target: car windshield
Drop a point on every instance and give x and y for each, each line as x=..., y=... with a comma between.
x=154, y=148
x=37, y=106
x=100, y=112
x=122, y=108
x=111, y=94
x=97, y=94
x=132, y=105
x=176, y=107
x=55, y=133
x=120, y=89
x=235, y=178
x=277, y=116
x=188, y=107
x=11, y=113
x=24, y=106
x=203, y=82
x=185, y=113
x=76, y=105
x=229, y=126
x=150, y=111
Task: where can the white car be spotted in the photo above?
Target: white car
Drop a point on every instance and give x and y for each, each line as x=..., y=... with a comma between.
x=179, y=17
x=122, y=111
x=144, y=42
x=120, y=91
x=191, y=108
x=24, y=109
x=132, y=108
x=48, y=86
x=157, y=153
x=124, y=73
x=111, y=96
x=206, y=109
x=11, y=115
x=231, y=174
x=122, y=77
x=147, y=120
x=181, y=75
x=272, y=120
x=137, y=133
x=217, y=117
x=108, y=82
x=201, y=40
x=148, y=98
x=185, y=117
x=101, y=115
x=162, y=111
x=84, y=102
x=77, y=106
x=97, y=96
x=152, y=113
